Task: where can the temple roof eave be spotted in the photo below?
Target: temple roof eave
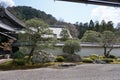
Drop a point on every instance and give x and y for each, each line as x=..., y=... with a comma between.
x=8, y=36
x=113, y=3
x=14, y=18
x=4, y=26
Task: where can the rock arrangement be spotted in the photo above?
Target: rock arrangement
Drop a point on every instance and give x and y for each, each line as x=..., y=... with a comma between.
x=99, y=62
x=43, y=56
x=67, y=64
x=72, y=57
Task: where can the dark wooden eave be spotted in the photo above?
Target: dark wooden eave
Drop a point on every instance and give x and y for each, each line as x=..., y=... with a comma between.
x=9, y=24
x=9, y=19
x=6, y=28
x=113, y=3
x=6, y=35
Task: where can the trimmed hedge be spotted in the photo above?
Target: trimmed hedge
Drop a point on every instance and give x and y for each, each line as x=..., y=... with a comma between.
x=60, y=59
x=18, y=55
x=94, y=56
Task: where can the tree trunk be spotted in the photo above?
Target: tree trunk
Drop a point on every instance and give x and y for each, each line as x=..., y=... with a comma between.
x=105, y=51
x=108, y=52
x=31, y=53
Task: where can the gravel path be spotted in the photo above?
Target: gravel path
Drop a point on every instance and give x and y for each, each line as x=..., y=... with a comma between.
x=80, y=72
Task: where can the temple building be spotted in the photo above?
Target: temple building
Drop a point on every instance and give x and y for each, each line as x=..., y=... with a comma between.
x=57, y=31
x=9, y=27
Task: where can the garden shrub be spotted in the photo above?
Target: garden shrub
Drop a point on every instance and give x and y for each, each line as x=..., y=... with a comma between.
x=94, y=56
x=18, y=55
x=118, y=59
x=19, y=62
x=107, y=60
x=87, y=60
x=71, y=46
x=72, y=58
x=112, y=56
x=60, y=59
x=101, y=57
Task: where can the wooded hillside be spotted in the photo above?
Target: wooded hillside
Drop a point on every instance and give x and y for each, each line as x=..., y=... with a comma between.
x=25, y=13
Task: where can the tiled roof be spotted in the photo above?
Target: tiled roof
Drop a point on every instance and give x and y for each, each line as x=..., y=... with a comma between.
x=14, y=18
x=57, y=30
x=4, y=26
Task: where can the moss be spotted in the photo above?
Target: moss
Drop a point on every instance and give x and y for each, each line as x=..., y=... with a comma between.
x=10, y=66
x=108, y=60
x=60, y=59
x=94, y=56
x=87, y=60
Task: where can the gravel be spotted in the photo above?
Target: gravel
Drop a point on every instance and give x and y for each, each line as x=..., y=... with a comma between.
x=79, y=72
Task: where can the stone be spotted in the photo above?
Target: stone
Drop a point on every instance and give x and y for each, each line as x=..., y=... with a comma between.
x=99, y=62
x=7, y=56
x=73, y=58
x=67, y=64
x=43, y=56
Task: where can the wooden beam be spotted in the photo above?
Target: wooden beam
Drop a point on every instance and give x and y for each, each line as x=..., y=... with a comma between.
x=114, y=3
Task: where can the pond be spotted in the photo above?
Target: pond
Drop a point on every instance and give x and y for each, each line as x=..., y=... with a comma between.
x=87, y=50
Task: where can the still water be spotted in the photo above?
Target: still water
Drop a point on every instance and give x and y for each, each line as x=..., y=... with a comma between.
x=86, y=51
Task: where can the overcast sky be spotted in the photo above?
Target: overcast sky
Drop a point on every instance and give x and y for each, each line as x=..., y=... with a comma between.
x=69, y=11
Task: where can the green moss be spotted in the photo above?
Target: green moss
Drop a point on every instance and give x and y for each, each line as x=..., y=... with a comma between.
x=18, y=55
x=60, y=59
x=94, y=56
x=108, y=60
x=10, y=65
x=87, y=60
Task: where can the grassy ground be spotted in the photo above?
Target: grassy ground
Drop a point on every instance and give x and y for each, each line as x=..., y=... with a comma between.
x=22, y=64
x=10, y=65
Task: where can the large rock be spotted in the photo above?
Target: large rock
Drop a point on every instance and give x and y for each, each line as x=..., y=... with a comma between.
x=43, y=56
x=73, y=57
x=99, y=62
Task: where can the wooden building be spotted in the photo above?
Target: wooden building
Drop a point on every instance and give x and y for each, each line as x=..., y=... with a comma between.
x=57, y=30
x=9, y=27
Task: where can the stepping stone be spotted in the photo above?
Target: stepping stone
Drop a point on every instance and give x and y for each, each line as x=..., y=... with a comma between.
x=67, y=64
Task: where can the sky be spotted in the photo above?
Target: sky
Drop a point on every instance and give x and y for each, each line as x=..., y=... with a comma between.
x=69, y=11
